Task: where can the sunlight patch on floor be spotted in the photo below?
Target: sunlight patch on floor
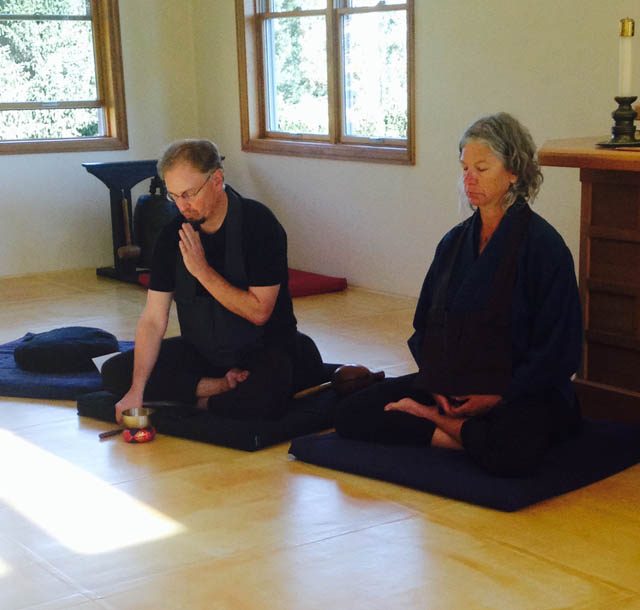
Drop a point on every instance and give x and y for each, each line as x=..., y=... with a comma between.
x=79, y=510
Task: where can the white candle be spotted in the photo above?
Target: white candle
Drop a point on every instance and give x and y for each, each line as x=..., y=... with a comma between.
x=625, y=64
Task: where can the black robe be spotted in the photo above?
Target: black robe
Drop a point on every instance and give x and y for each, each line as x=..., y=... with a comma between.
x=546, y=319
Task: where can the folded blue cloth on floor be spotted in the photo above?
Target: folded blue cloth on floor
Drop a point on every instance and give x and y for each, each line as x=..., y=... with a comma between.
x=69, y=349
x=15, y=381
x=601, y=449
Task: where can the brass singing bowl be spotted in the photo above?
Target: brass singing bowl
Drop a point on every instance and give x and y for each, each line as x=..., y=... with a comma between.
x=139, y=417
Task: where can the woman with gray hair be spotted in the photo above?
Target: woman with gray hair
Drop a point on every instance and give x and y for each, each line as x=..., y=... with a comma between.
x=498, y=326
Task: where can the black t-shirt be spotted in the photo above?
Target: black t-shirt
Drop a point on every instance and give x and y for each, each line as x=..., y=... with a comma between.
x=264, y=246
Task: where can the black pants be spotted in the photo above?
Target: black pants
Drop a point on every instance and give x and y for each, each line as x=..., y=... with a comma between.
x=509, y=440
x=179, y=367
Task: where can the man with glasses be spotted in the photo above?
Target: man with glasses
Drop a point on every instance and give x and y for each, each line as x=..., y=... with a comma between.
x=224, y=262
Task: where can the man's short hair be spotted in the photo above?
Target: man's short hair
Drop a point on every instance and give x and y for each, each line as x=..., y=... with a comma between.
x=201, y=154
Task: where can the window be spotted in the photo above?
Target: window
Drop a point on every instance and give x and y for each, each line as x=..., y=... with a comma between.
x=61, y=83
x=327, y=78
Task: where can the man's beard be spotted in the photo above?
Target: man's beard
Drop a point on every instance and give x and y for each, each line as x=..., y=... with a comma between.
x=197, y=223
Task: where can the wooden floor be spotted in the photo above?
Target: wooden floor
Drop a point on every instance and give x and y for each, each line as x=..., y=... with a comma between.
x=174, y=524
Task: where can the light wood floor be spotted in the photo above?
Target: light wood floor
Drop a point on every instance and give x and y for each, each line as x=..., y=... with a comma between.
x=174, y=524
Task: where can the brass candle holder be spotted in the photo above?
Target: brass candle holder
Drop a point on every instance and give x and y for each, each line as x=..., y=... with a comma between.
x=623, y=132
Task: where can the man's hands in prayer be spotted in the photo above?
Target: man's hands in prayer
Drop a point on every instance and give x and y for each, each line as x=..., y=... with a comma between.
x=192, y=250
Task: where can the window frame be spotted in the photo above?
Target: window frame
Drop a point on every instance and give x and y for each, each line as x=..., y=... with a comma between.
x=254, y=135
x=110, y=89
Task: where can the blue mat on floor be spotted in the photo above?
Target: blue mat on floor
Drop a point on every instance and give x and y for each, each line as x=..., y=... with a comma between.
x=600, y=450
x=24, y=384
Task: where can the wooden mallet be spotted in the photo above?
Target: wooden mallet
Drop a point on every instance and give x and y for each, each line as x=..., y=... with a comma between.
x=346, y=379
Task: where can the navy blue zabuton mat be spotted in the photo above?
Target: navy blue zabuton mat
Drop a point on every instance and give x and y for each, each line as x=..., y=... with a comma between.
x=306, y=415
x=600, y=450
x=15, y=381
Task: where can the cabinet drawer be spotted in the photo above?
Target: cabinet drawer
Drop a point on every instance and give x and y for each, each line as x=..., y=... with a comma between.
x=616, y=366
x=615, y=261
x=612, y=313
x=615, y=206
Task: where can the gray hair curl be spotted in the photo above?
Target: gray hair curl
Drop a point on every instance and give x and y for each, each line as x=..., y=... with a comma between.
x=512, y=143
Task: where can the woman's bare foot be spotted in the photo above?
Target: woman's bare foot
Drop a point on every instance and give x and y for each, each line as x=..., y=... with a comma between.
x=442, y=439
x=447, y=431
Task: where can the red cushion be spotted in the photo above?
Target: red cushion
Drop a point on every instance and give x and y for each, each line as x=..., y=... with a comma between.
x=301, y=283
x=304, y=283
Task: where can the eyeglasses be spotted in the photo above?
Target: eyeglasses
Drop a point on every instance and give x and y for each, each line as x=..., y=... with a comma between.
x=190, y=194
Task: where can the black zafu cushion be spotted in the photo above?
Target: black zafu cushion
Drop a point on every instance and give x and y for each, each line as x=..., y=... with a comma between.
x=305, y=415
x=64, y=350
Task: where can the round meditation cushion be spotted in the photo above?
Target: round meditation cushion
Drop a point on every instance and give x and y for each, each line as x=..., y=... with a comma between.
x=64, y=350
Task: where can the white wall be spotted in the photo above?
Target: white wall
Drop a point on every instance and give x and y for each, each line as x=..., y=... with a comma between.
x=551, y=63
x=54, y=214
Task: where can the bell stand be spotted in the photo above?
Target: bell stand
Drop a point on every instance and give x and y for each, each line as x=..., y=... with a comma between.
x=120, y=177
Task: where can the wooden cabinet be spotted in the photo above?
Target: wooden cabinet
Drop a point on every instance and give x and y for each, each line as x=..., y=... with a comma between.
x=608, y=383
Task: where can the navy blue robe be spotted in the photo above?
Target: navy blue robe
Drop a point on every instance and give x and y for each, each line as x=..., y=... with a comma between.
x=546, y=313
